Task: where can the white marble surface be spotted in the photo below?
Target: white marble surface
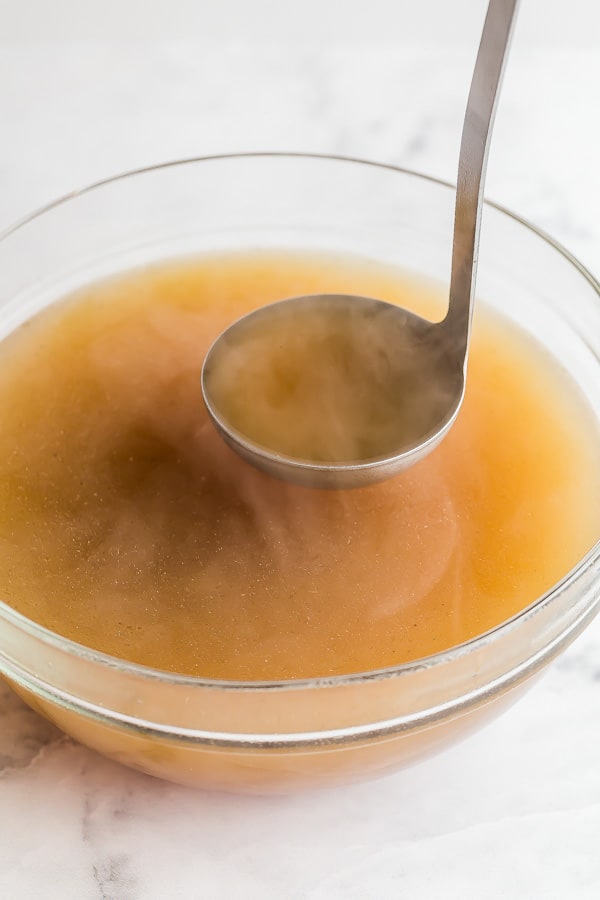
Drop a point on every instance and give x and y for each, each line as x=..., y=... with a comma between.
x=515, y=811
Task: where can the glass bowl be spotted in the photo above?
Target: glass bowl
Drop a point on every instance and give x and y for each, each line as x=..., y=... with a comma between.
x=283, y=736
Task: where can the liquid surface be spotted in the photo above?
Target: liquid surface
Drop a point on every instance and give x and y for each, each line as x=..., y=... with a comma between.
x=339, y=380
x=128, y=525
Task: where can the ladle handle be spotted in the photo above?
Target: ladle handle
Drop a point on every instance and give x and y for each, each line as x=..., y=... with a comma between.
x=475, y=141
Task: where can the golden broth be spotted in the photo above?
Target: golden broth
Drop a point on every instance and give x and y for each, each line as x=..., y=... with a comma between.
x=126, y=523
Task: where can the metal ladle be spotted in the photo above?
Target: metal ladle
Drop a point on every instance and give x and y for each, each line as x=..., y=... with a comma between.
x=421, y=365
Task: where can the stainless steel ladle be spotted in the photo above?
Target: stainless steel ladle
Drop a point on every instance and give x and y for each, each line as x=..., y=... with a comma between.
x=425, y=362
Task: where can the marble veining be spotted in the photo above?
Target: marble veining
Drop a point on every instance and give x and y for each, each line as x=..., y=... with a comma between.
x=24, y=736
x=113, y=872
x=514, y=812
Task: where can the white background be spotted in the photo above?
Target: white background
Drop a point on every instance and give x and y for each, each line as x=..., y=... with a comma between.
x=543, y=23
x=90, y=89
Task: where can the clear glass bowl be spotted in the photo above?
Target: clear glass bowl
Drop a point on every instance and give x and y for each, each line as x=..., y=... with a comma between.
x=284, y=736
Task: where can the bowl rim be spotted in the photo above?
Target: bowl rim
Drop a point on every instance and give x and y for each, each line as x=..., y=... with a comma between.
x=57, y=641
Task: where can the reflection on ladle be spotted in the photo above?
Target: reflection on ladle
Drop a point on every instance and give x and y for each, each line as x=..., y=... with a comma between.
x=341, y=391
